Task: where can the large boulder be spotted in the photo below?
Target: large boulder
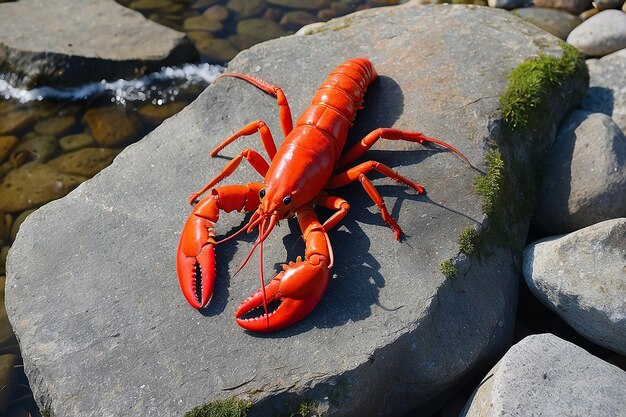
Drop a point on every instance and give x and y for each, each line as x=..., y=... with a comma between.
x=70, y=42
x=543, y=375
x=100, y=316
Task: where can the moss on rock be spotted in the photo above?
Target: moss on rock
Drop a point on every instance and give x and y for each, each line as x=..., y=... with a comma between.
x=231, y=407
x=448, y=269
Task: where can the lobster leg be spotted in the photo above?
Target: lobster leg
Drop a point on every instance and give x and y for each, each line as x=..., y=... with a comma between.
x=252, y=156
x=358, y=173
x=286, y=121
x=250, y=129
x=333, y=203
x=195, y=260
x=392, y=134
x=293, y=293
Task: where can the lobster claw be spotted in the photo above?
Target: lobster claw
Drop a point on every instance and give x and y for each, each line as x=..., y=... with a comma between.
x=291, y=296
x=195, y=260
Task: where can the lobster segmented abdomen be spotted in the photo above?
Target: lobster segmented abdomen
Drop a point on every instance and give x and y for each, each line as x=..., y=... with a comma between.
x=334, y=105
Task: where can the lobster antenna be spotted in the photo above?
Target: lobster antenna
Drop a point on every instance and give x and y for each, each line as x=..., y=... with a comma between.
x=451, y=148
x=254, y=218
x=267, y=316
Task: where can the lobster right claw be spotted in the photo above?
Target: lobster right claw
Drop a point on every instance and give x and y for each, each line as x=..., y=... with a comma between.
x=291, y=296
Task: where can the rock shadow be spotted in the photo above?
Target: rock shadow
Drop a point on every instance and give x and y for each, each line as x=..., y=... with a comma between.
x=599, y=100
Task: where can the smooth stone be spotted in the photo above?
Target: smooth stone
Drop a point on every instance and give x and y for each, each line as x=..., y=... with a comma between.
x=108, y=331
x=260, y=29
x=301, y=4
x=588, y=13
x=294, y=20
x=156, y=114
x=33, y=185
x=39, y=148
x=198, y=36
x=607, y=87
x=8, y=379
x=218, y=51
x=241, y=42
x=203, y=4
x=75, y=142
x=7, y=143
x=72, y=42
x=15, y=227
x=507, y=4
x=245, y=9
x=149, y=4
x=203, y=24
x=5, y=168
x=15, y=121
x=601, y=34
x=585, y=177
x=571, y=6
x=111, y=126
x=55, y=126
x=543, y=375
x=86, y=162
x=582, y=278
x=217, y=12
x=557, y=22
x=6, y=222
x=273, y=13
x=608, y=4
x=327, y=14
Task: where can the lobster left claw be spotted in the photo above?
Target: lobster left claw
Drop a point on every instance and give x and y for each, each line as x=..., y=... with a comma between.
x=291, y=296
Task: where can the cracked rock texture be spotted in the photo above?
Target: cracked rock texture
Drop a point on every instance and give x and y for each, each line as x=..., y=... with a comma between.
x=70, y=42
x=100, y=316
x=544, y=375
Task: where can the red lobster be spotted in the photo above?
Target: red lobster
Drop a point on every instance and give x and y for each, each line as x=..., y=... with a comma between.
x=308, y=163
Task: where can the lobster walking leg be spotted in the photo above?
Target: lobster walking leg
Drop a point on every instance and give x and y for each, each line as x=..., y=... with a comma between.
x=195, y=261
x=250, y=129
x=293, y=293
x=286, y=121
x=392, y=134
x=252, y=156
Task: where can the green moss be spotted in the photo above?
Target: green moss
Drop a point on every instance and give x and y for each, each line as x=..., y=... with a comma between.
x=46, y=412
x=533, y=81
x=490, y=186
x=448, y=269
x=468, y=240
x=347, y=21
x=231, y=407
x=306, y=409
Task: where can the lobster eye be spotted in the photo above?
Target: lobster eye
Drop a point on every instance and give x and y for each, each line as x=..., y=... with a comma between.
x=262, y=193
x=287, y=200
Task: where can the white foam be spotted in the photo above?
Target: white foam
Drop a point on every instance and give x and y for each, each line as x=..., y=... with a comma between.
x=148, y=87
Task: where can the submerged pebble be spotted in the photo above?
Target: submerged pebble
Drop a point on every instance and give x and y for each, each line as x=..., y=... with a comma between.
x=7, y=143
x=245, y=9
x=55, y=125
x=260, y=29
x=156, y=114
x=15, y=121
x=38, y=148
x=15, y=227
x=301, y=4
x=111, y=126
x=203, y=24
x=75, y=142
x=217, y=50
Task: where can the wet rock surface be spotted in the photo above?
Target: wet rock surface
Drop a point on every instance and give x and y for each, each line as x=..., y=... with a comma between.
x=544, y=375
x=70, y=42
x=162, y=357
x=586, y=175
x=582, y=277
x=607, y=87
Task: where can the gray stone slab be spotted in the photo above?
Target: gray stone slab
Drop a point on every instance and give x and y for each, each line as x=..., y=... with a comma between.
x=105, y=330
x=70, y=42
x=543, y=375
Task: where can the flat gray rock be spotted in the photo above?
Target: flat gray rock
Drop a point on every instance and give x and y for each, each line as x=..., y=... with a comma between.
x=586, y=176
x=70, y=42
x=582, y=278
x=607, y=87
x=601, y=34
x=544, y=375
x=557, y=22
x=100, y=316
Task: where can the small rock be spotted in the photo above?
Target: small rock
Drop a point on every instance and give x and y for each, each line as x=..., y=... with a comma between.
x=571, y=6
x=217, y=12
x=5, y=168
x=13, y=122
x=260, y=29
x=273, y=13
x=557, y=22
x=156, y=114
x=203, y=4
x=111, y=126
x=588, y=13
x=7, y=143
x=507, y=4
x=218, y=51
x=55, y=126
x=144, y=5
x=296, y=19
x=15, y=227
x=39, y=148
x=87, y=162
x=342, y=8
x=6, y=222
x=8, y=379
x=241, y=42
x=601, y=34
x=607, y=87
x=543, y=375
x=586, y=176
x=75, y=142
x=203, y=24
x=582, y=278
x=327, y=14
x=608, y=4
x=33, y=185
x=198, y=36
x=245, y=9
x=301, y=4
